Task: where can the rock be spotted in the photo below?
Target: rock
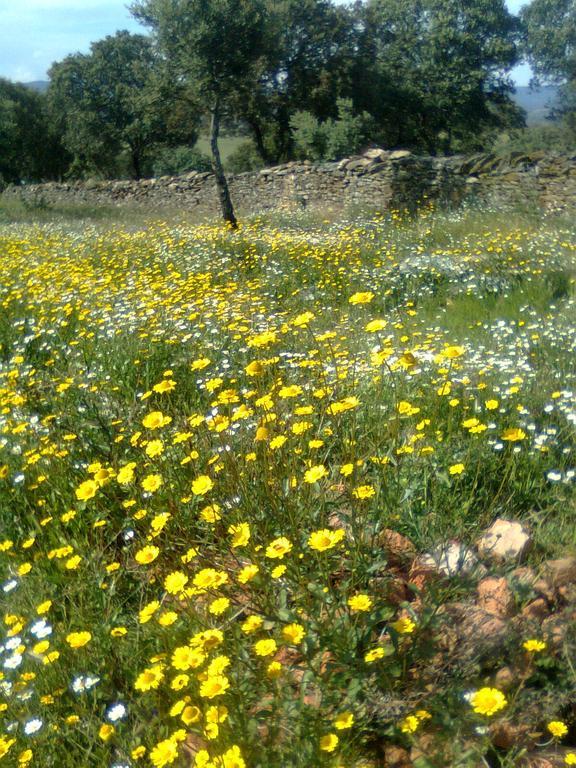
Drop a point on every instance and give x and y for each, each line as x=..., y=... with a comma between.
x=398, y=154
x=537, y=610
x=399, y=549
x=479, y=634
x=451, y=559
x=504, y=540
x=396, y=757
x=506, y=735
x=505, y=679
x=495, y=596
x=560, y=573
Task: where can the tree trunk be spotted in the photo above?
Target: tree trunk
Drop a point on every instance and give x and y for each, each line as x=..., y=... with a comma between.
x=136, y=164
x=259, y=139
x=221, y=183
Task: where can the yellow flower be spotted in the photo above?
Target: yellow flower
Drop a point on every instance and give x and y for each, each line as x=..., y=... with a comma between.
x=175, y=582
x=251, y=624
x=456, y=469
x=404, y=626
x=146, y=555
x=278, y=572
x=361, y=297
x=150, y=678
x=191, y=714
x=218, y=606
x=343, y=405
x=343, y=721
x=118, y=632
x=209, y=578
x=185, y=658
x=148, y=611
x=375, y=325
x=329, y=742
x=154, y=448
x=315, y=473
x=303, y=319
x=374, y=655
x=214, y=686
x=167, y=385
x=164, y=753
x=278, y=548
x=359, y=602
x=452, y=352
x=202, y=485
x=491, y=405
x=557, y=728
x=533, y=646
x=325, y=539
x=106, y=731
x=155, y=420
x=570, y=758
x=488, y=701
x=247, y=573
x=240, y=534
x=265, y=647
x=513, y=435
x=363, y=492
x=255, y=368
x=87, y=490
x=78, y=639
x=151, y=483
x=293, y=633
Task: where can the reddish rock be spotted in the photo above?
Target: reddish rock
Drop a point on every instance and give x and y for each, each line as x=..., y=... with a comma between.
x=396, y=757
x=495, y=596
x=561, y=572
x=505, y=679
x=506, y=735
x=537, y=610
x=421, y=575
x=398, y=548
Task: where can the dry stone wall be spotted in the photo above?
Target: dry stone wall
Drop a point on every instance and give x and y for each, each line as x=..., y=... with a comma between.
x=376, y=179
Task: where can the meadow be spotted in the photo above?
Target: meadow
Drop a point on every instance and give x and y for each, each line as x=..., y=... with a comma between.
x=222, y=458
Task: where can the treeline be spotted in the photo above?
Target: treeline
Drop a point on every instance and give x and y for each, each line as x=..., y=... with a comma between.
x=297, y=78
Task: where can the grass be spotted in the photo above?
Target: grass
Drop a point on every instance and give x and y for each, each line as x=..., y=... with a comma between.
x=205, y=438
x=227, y=145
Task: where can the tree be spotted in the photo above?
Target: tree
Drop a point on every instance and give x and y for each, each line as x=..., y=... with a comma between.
x=550, y=47
x=215, y=47
x=550, y=39
x=306, y=66
x=29, y=149
x=435, y=73
x=116, y=100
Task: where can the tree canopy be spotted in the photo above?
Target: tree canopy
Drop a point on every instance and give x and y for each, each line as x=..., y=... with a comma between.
x=118, y=99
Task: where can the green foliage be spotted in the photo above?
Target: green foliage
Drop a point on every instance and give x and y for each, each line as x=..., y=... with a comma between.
x=172, y=161
x=331, y=139
x=550, y=39
x=181, y=402
x=434, y=73
x=536, y=138
x=244, y=158
x=119, y=99
x=30, y=149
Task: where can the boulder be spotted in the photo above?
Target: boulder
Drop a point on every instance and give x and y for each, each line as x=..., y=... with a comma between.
x=505, y=540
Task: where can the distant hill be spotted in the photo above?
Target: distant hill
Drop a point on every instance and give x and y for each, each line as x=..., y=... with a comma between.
x=38, y=85
x=537, y=103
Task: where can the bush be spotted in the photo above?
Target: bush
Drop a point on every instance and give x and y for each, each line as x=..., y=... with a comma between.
x=173, y=161
x=244, y=158
x=331, y=139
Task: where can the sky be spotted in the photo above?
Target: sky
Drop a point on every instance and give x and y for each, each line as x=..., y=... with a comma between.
x=35, y=33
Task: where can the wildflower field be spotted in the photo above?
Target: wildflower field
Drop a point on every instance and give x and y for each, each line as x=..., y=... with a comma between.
x=227, y=460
